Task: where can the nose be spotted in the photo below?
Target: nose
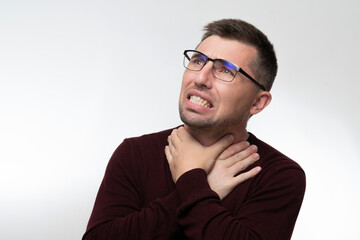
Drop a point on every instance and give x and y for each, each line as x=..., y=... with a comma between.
x=205, y=76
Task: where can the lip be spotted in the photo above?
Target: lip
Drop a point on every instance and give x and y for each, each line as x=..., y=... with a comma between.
x=196, y=107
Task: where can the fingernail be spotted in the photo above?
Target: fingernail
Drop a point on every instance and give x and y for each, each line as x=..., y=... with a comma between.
x=231, y=138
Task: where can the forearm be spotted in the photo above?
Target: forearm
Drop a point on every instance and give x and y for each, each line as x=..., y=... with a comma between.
x=158, y=220
x=262, y=216
x=136, y=199
x=201, y=213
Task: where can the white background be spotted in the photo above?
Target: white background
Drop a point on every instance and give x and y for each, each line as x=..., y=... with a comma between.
x=77, y=77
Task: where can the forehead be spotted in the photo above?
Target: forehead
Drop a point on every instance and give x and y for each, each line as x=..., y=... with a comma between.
x=228, y=49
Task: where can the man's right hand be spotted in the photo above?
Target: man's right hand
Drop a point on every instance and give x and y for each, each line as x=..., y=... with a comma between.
x=224, y=176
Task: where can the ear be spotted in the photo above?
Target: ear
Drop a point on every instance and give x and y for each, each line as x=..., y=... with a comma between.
x=262, y=100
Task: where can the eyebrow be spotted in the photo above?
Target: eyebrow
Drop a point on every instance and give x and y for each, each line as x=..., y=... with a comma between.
x=201, y=56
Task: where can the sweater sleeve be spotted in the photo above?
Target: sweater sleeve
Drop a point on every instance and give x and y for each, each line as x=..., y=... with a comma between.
x=119, y=212
x=268, y=213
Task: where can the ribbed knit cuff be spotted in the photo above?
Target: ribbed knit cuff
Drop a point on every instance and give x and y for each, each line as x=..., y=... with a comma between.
x=193, y=185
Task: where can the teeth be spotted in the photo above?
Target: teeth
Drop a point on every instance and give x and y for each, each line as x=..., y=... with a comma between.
x=200, y=101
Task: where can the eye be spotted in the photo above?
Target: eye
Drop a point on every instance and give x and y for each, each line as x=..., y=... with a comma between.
x=226, y=71
x=197, y=61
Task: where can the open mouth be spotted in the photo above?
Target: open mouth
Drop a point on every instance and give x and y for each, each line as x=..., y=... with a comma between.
x=199, y=101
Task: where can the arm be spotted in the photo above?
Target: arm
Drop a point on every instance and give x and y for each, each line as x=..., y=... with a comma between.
x=269, y=210
x=119, y=212
x=224, y=177
x=220, y=161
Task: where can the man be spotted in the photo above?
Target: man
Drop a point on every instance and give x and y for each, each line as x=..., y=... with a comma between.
x=209, y=179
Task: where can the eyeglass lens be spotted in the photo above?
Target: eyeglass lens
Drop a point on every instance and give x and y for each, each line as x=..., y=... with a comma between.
x=222, y=69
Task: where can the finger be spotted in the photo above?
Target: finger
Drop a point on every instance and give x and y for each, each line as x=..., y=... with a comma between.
x=234, y=149
x=168, y=154
x=240, y=156
x=171, y=146
x=221, y=145
x=174, y=138
x=247, y=175
x=244, y=164
x=183, y=134
x=169, y=140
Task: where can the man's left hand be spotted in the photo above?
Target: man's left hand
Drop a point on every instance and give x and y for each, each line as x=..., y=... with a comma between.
x=185, y=153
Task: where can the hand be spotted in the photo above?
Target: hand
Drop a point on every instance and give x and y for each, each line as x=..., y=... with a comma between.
x=184, y=152
x=235, y=159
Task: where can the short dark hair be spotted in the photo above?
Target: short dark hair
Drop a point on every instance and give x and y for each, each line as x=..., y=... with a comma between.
x=264, y=64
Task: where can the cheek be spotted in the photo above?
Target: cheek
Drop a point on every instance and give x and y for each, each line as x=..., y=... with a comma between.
x=186, y=81
x=228, y=94
x=184, y=84
x=234, y=100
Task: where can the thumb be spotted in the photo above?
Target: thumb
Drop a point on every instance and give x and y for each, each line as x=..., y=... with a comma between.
x=222, y=144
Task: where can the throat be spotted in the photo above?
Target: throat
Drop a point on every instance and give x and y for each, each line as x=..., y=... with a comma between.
x=208, y=137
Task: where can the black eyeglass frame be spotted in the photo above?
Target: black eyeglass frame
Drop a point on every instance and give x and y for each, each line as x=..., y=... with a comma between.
x=239, y=69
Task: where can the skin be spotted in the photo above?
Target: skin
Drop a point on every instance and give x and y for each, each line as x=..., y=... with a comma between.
x=214, y=139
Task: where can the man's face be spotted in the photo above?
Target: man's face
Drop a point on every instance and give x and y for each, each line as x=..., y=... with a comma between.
x=211, y=104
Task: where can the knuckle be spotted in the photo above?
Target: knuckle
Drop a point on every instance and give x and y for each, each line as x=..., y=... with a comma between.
x=242, y=168
x=241, y=178
x=239, y=156
x=231, y=150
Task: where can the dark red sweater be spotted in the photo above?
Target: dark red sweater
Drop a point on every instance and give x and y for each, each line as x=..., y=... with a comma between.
x=137, y=198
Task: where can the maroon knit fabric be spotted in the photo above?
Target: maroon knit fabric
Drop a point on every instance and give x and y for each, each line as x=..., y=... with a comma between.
x=137, y=198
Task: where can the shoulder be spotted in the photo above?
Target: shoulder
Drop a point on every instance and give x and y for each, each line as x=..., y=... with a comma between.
x=277, y=168
x=147, y=146
x=151, y=139
x=271, y=156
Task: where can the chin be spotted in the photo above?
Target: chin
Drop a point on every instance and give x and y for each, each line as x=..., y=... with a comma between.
x=196, y=124
x=206, y=126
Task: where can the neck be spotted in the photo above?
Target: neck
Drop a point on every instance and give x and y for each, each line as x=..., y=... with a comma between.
x=208, y=137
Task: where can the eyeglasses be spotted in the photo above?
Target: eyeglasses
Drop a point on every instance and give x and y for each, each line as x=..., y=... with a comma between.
x=222, y=69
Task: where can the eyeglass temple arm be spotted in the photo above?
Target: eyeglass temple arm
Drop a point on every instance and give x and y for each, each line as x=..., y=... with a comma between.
x=254, y=81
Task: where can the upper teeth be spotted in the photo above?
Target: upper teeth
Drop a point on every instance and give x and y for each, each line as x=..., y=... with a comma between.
x=200, y=101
